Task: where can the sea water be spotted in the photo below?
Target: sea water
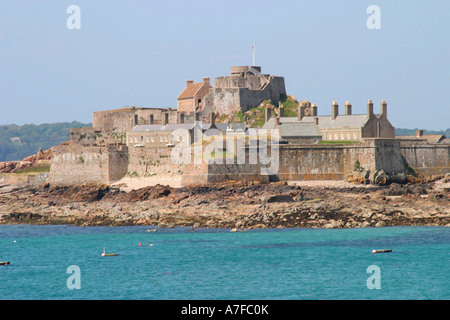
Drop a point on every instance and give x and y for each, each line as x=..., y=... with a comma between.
x=65, y=262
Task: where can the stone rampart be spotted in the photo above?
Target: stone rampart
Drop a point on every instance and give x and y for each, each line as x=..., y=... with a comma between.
x=153, y=162
x=75, y=164
x=424, y=158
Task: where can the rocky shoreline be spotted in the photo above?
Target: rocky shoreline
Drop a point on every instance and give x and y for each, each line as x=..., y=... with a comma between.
x=230, y=205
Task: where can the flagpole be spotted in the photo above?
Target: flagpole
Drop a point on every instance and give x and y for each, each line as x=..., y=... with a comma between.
x=253, y=49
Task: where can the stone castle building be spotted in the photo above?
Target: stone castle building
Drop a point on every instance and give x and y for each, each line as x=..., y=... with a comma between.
x=140, y=140
x=192, y=97
x=334, y=127
x=246, y=87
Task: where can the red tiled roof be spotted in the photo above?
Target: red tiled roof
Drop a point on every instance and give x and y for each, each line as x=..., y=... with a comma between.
x=190, y=91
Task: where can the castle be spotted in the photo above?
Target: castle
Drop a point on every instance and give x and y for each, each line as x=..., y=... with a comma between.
x=141, y=142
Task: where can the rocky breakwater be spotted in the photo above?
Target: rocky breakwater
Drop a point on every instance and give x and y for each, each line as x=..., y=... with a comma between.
x=231, y=205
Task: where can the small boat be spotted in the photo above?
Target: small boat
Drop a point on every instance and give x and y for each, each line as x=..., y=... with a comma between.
x=104, y=254
x=4, y=263
x=381, y=250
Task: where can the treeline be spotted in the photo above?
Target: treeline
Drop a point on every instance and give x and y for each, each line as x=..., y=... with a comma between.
x=18, y=142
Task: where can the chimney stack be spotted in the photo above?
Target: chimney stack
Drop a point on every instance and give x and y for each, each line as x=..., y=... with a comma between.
x=348, y=108
x=369, y=108
x=314, y=110
x=206, y=80
x=281, y=110
x=212, y=119
x=189, y=82
x=419, y=133
x=384, y=109
x=334, y=110
x=300, y=113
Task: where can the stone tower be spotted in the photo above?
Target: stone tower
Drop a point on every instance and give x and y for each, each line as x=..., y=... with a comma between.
x=246, y=87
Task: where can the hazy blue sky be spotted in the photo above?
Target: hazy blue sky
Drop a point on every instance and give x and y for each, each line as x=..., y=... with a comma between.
x=142, y=52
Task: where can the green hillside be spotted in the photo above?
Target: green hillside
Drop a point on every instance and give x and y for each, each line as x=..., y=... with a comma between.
x=18, y=142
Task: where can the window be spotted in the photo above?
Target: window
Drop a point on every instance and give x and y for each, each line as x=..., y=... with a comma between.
x=131, y=139
x=161, y=139
x=135, y=139
x=165, y=138
x=153, y=139
x=148, y=139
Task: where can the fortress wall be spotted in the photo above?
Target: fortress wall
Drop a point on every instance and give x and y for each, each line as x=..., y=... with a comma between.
x=224, y=101
x=90, y=137
x=153, y=162
x=123, y=120
x=427, y=159
x=388, y=155
x=311, y=163
x=117, y=162
x=109, y=121
x=72, y=165
x=201, y=174
x=83, y=136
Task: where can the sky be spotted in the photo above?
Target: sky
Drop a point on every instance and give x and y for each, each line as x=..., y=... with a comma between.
x=140, y=53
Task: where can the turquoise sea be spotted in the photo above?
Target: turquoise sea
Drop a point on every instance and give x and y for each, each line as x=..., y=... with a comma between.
x=205, y=264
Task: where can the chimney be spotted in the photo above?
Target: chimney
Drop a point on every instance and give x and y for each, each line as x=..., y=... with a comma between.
x=384, y=109
x=212, y=119
x=419, y=133
x=314, y=110
x=334, y=110
x=206, y=80
x=348, y=108
x=189, y=82
x=281, y=110
x=268, y=113
x=316, y=121
x=369, y=108
x=300, y=113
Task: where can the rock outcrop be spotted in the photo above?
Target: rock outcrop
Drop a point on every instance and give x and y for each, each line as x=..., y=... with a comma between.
x=233, y=206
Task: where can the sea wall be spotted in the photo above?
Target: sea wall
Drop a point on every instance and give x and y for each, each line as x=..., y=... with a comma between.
x=424, y=158
x=371, y=157
x=151, y=162
x=72, y=165
x=201, y=174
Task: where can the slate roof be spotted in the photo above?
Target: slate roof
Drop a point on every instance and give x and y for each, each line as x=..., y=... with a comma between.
x=341, y=121
x=291, y=127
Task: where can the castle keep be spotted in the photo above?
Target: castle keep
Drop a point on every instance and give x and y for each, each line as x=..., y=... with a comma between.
x=141, y=142
x=245, y=88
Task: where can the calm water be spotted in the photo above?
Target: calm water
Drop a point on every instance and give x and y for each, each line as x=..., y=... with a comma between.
x=217, y=264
